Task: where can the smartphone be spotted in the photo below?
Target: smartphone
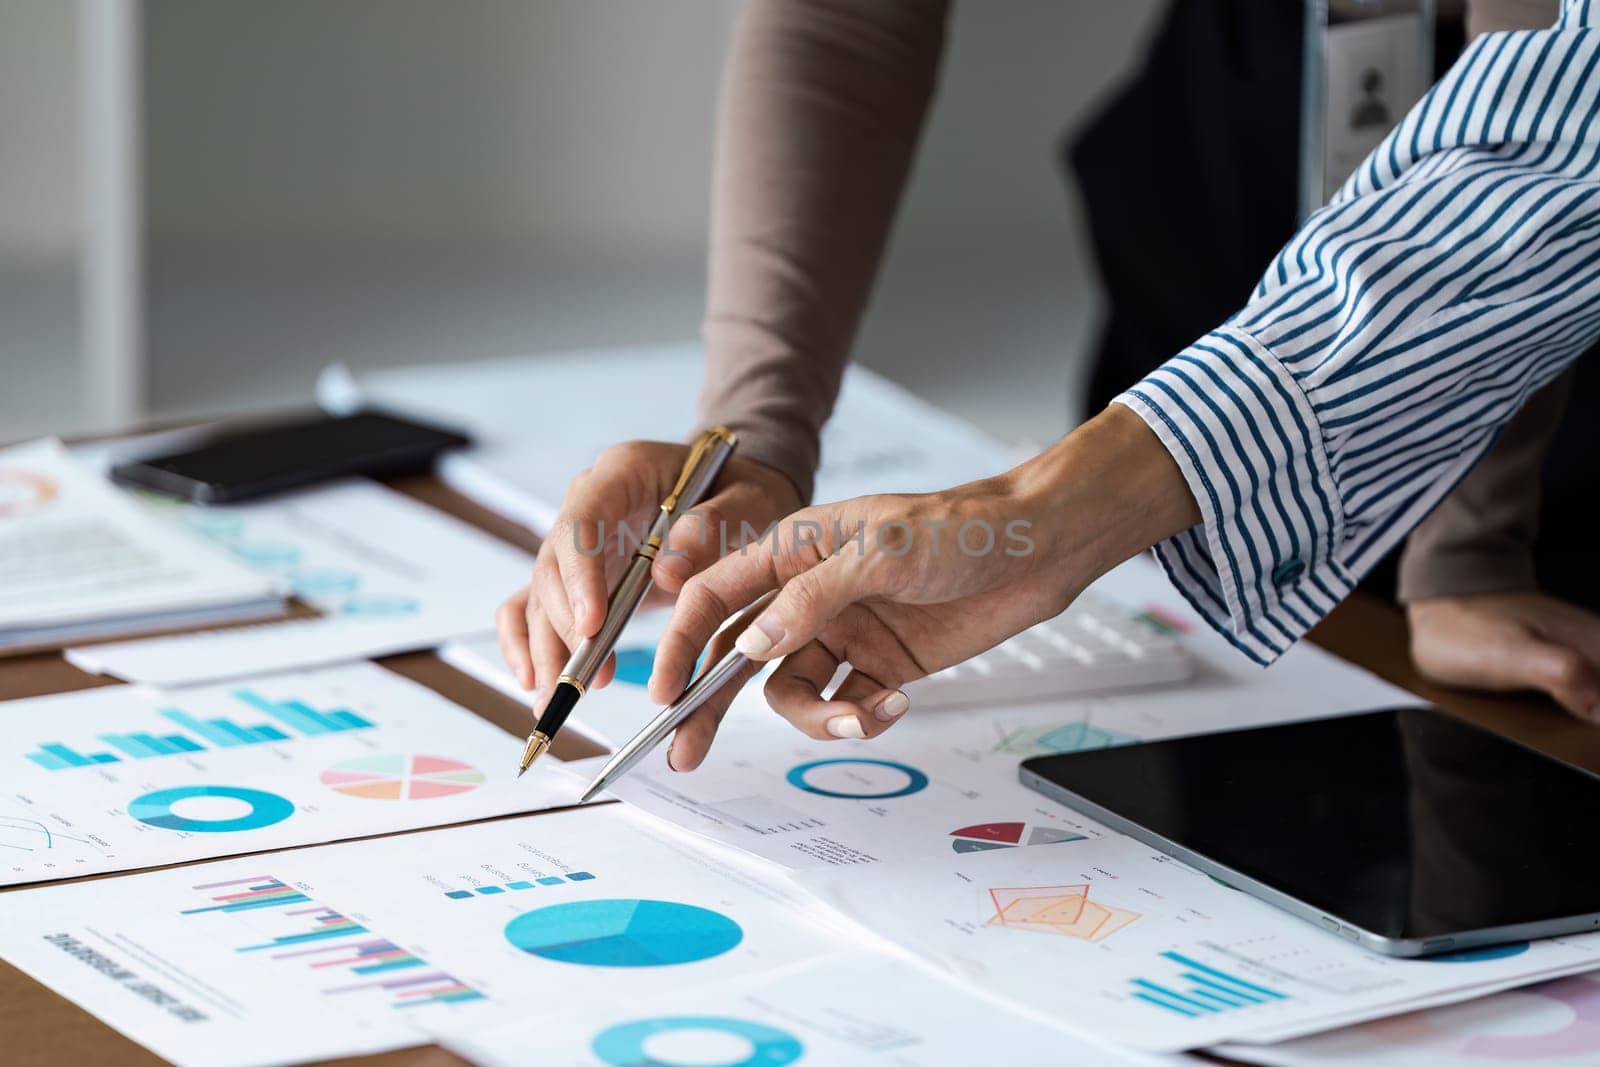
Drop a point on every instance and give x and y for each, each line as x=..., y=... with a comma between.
x=247, y=465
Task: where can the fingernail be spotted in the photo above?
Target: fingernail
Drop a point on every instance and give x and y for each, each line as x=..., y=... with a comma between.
x=759, y=638
x=892, y=706
x=672, y=764
x=846, y=726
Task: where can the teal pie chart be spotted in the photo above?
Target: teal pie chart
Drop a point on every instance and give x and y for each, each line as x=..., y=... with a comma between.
x=698, y=1041
x=624, y=933
x=163, y=808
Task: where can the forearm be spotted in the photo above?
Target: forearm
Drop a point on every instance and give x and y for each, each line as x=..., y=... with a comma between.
x=822, y=103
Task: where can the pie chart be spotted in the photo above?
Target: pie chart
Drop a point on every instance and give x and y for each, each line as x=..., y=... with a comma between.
x=402, y=777
x=624, y=933
x=985, y=836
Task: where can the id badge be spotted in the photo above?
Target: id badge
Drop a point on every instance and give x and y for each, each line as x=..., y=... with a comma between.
x=1366, y=63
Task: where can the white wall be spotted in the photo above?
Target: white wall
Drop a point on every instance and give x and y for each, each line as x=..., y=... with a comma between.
x=388, y=181
x=38, y=130
x=39, y=217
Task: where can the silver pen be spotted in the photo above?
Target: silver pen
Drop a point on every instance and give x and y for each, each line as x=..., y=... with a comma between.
x=699, y=691
x=705, y=462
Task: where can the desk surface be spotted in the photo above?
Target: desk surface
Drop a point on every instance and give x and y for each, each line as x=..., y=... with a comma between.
x=41, y=1028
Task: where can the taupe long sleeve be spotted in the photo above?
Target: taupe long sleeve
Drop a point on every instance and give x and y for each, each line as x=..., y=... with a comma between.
x=1480, y=538
x=821, y=108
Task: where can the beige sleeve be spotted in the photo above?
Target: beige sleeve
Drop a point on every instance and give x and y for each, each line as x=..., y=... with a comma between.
x=821, y=108
x=1489, y=16
x=1480, y=538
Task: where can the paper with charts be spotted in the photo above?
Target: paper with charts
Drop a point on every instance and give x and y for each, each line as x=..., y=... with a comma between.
x=945, y=781
x=79, y=560
x=361, y=945
x=385, y=572
x=1113, y=939
x=1554, y=1023
x=856, y=1010
x=119, y=777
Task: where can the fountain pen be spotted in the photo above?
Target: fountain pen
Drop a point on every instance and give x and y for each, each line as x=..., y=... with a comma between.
x=706, y=460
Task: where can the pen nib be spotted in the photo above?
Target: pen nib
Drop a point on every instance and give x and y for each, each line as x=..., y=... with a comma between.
x=537, y=743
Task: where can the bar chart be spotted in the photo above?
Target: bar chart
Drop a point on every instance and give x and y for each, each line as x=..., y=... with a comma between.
x=521, y=884
x=348, y=956
x=292, y=719
x=1201, y=989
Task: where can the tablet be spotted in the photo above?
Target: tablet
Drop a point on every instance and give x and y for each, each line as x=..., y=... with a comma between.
x=1408, y=831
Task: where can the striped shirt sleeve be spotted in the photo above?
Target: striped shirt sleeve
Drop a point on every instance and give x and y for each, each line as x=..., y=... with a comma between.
x=1454, y=274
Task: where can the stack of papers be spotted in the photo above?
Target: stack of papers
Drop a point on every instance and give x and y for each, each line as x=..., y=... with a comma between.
x=386, y=572
x=881, y=439
x=80, y=561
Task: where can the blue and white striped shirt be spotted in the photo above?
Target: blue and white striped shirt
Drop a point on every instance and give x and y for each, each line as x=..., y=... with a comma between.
x=1456, y=273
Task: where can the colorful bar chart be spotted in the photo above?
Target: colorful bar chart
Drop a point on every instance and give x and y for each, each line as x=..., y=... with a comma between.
x=301, y=718
x=532, y=883
x=246, y=894
x=1203, y=990
x=327, y=942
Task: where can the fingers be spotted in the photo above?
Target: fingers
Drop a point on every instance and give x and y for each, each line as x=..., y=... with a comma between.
x=696, y=540
x=576, y=565
x=862, y=707
x=1467, y=646
x=804, y=607
x=1569, y=678
x=707, y=601
x=692, y=740
x=549, y=653
x=511, y=624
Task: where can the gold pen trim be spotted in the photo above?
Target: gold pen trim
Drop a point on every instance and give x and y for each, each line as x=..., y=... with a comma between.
x=537, y=743
x=702, y=445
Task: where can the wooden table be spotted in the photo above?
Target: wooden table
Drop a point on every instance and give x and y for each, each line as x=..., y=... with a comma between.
x=39, y=1028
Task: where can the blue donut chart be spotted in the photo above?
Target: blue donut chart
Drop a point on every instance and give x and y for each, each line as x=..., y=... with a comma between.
x=623, y=1045
x=155, y=809
x=916, y=781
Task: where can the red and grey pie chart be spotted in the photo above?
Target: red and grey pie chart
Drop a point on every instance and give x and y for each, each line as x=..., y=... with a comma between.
x=984, y=836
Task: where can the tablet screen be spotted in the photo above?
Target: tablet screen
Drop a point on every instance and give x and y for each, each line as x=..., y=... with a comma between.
x=1409, y=824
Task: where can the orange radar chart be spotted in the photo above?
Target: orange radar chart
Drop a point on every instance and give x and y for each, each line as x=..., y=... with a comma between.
x=1059, y=910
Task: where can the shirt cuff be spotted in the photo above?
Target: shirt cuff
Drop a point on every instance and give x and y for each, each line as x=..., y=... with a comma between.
x=1263, y=567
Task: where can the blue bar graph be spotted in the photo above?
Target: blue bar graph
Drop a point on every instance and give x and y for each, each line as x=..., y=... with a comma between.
x=300, y=718
x=1204, y=990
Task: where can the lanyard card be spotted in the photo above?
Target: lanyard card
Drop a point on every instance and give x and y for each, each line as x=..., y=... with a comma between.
x=1366, y=63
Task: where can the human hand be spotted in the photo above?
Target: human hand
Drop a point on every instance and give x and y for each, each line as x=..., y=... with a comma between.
x=1510, y=641
x=931, y=580
x=565, y=601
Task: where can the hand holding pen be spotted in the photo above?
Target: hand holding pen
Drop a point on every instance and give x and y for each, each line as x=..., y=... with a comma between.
x=700, y=468
x=565, y=600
